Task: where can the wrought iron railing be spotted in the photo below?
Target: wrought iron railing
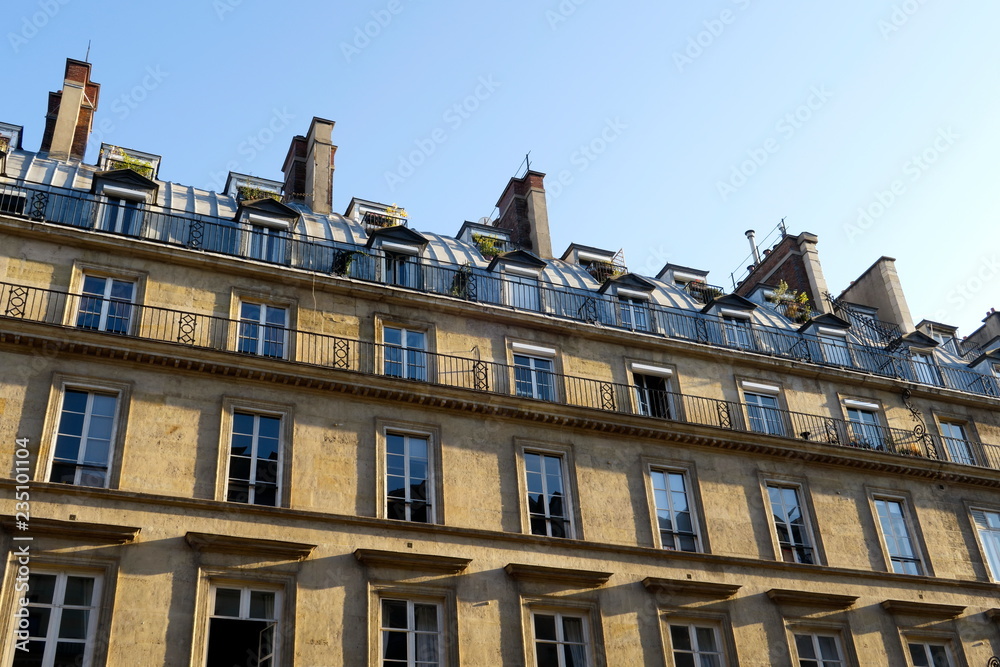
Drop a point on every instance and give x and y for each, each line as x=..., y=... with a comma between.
x=702, y=292
x=472, y=283
x=191, y=330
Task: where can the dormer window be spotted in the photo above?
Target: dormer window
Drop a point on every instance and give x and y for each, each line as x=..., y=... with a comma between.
x=246, y=188
x=602, y=265
x=520, y=271
x=488, y=240
x=632, y=294
x=267, y=243
x=833, y=343
x=115, y=158
x=737, y=327
x=121, y=212
x=267, y=227
x=925, y=368
x=399, y=260
x=374, y=216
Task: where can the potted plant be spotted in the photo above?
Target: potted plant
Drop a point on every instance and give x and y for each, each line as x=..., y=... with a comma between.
x=460, y=283
x=4, y=145
x=252, y=192
x=792, y=303
x=126, y=161
x=489, y=246
x=343, y=260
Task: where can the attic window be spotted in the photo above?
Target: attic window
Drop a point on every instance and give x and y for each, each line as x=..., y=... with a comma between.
x=114, y=158
x=603, y=268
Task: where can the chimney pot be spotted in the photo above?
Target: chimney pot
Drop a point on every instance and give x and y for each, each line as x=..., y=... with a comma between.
x=71, y=113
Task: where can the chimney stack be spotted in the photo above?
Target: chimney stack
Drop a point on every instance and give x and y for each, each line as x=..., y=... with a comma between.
x=70, y=114
x=523, y=213
x=309, y=167
x=753, y=246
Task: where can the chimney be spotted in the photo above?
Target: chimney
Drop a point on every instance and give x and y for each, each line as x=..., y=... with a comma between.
x=71, y=114
x=309, y=167
x=524, y=215
x=753, y=246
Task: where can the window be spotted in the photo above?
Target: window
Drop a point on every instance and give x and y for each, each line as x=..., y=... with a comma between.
x=242, y=629
x=521, y=291
x=897, y=535
x=401, y=269
x=548, y=501
x=652, y=395
x=106, y=304
x=958, y=446
x=409, y=485
x=561, y=640
x=988, y=526
x=268, y=244
x=925, y=654
x=738, y=331
x=816, y=650
x=533, y=377
x=696, y=645
x=790, y=525
x=925, y=369
x=634, y=313
x=405, y=353
x=674, y=515
x=84, y=438
x=11, y=200
x=865, y=429
x=62, y=619
x=255, y=459
x=121, y=215
x=764, y=413
x=263, y=330
x=835, y=349
x=411, y=634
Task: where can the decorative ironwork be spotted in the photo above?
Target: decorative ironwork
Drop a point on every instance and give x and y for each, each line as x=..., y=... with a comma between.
x=341, y=353
x=701, y=330
x=832, y=433
x=39, y=202
x=800, y=350
x=480, y=374
x=197, y=235
x=725, y=419
x=186, y=329
x=993, y=662
x=472, y=288
x=16, y=300
x=607, y=396
x=588, y=310
x=920, y=430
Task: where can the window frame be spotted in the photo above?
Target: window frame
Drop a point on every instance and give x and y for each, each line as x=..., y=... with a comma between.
x=385, y=427
x=835, y=339
x=633, y=303
x=840, y=631
x=968, y=429
x=737, y=325
x=246, y=591
x=686, y=470
x=583, y=608
x=913, y=531
x=288, y=345
x=117, y=200
x=880, y=427
x=53, y=417
x=990, y=554
x=272, y=241
x=383, y=322
x=719, y=622
x=949, y=640
x=806, y=510
x=514, y=297
x=536, y=352
x=285, y=412
x=765, y=388
x=930, y=367
x=442, y=597
x=78, y=275
x=665, y=372
x=565, y=452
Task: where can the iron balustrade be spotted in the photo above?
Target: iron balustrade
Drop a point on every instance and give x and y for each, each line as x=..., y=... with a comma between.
x=72, y=311
x=472, y=283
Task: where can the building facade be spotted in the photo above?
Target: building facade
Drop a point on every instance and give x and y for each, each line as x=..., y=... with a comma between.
x=243, y=429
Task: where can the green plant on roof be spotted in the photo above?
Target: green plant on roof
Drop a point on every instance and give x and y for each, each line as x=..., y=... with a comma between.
x=126, y=161
x=489, y=246
x=252, y=192
x=394, y=211
x=4, y=144
x=796, y=304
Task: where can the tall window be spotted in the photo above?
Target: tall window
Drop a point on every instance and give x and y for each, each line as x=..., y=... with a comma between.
x=674, y=516
x=739, y=332
x=924, y=654
x=652, y=395
x=764, y=413
x=106, y=304
x=865, y=429
x=121, y=216
x=533, y=377
x=835, y=349
x=401, y=269
x=521, y=292
x=634, y=313
x=988, y=527
x=958, y=446
x=84, y=438
x=255, y=459
x=818, y=650
x=408, y=483
x=925, y=369
x=790, y=524
x=62, y=620
x=405, y=353
x=411, y=634
x=561, y=640
x=548, y=501
x=243, y=627
x=268, y=244
x=263, y=330
x=696, y=645
x=898, y=536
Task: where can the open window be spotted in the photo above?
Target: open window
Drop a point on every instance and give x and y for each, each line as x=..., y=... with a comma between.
x=653, y=391
x=519, y=273
x=243, y=626
x=398, y=250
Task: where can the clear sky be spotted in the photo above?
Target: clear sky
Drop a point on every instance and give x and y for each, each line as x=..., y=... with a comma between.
x=666, y=128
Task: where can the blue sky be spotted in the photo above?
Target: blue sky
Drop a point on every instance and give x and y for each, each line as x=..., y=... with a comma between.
x=666, y=129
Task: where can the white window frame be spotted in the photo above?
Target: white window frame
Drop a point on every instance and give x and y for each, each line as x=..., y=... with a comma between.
x=696, y=650
x=90, y=391
x=111, y=211
x=644, y=399
x=654, y=470
x=532, y=355
x=245, y=591
x=986, y=524
x=430, y=482
x=522, y=297
x=266, y=242
x=926, y=644
x=411, y=630
x=262, y=327
x=405, y=352
x=279, y=490
x=965, y=455
x=860, y=431
x=561, y=642
x=569, y=510
x=911, y=535
x=807, y=529
x=58, y=602
x=770, y=417
x=632, y=307
x=106, y=300
x=835, y=347
x=737, y=329
x=819, y=660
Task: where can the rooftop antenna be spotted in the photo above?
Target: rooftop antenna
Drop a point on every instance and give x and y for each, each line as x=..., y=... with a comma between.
x=784, y=229
x=86, y=58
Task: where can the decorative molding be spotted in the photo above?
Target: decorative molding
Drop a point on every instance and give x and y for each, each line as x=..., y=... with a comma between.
x=557, y=575
x=99, y=533
x=248, y=546
x=927, y=609
x=993, y=614
x=704, y=589
x=811, y=599
x=403, y=560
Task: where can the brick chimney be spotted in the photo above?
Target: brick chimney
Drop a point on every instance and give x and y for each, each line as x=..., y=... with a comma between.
x=793, y=259
x=523, y=213
x=71, y=114
x=309, y=167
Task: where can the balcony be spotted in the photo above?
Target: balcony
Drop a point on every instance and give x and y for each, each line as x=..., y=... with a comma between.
x=206, y=332
x=71, y=208
x=372, y=221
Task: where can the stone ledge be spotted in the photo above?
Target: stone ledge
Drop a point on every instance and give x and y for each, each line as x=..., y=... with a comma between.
x=557, y=575
x=248, y=546
x=411, y=561
x=97, y=533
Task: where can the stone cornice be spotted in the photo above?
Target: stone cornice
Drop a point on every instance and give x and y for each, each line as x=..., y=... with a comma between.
x=923, y=609
x=248, y=546
x=557, y=575
x=79, y=531
x=707, y=590
x=782, y=596
x=405, y=560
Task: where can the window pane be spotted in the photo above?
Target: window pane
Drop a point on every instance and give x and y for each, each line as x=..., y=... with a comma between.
x=680, y=639
x=394, y=614
x=227, y=602
x=262, y=605
x=545, y=627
